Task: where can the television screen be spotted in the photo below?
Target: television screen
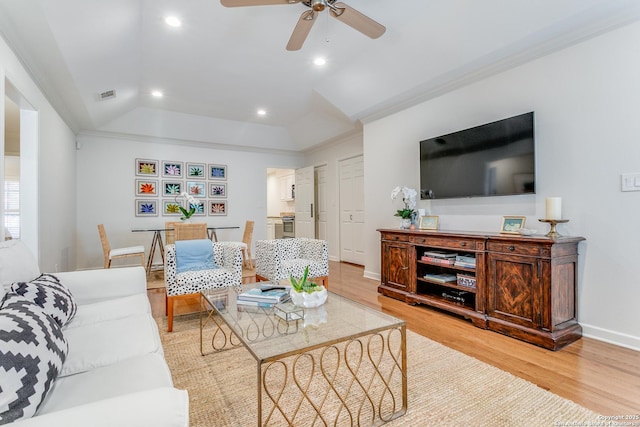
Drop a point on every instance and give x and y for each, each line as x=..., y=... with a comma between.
x=495, y=159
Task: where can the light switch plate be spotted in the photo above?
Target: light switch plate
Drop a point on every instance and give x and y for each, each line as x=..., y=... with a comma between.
x=630, y=181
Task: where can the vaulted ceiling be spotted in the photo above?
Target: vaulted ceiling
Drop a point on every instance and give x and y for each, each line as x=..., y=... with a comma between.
x=223, y=64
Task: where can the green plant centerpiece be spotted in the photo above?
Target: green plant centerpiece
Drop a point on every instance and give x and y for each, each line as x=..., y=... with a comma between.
x=306, y=293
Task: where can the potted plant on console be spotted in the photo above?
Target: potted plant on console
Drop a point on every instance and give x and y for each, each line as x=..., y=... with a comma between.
x=409, y=200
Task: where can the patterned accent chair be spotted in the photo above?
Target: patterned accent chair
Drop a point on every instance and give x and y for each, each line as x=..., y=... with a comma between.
x=226, y=255
x=281, y=258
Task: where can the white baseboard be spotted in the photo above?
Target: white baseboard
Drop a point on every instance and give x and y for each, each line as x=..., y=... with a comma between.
x=371, y=275
x=611, y=337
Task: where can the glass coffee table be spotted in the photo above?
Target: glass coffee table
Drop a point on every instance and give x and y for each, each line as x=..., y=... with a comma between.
x=340, y=364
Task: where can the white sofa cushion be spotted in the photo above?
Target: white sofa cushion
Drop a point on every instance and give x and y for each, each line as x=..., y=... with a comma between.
x=47, y=291
x=104, y=311
x=32, y=351
x=127, y=376
x=160, y=407
x=17, y=263
x=89, y=286
x=103, y=343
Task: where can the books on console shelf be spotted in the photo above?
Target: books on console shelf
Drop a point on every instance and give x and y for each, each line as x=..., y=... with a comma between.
x=465, y=260
x=444, y=261
x=441, y=278
x=270, y=294
x=465, y=264
x=440, y=254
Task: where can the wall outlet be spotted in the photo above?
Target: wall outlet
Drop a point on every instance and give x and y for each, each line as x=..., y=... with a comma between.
x=630, y=181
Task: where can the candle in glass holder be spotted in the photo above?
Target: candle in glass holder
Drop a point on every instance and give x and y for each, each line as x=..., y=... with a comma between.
x=554, y=208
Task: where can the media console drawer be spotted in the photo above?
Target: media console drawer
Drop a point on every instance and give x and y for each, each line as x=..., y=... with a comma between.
x=454, y=243
x=518, y=249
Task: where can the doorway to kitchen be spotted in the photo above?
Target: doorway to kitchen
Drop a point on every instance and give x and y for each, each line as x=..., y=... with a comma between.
x=281, y=196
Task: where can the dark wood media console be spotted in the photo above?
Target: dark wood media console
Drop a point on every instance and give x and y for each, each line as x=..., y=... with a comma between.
x=525, y=286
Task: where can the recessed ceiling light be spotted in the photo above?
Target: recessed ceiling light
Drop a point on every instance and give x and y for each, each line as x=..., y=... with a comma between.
x=157, y=94
x=262, y=112
x=172, y=21
x=319, y=61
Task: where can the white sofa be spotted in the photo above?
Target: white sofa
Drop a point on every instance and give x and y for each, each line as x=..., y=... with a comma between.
x=114, y=373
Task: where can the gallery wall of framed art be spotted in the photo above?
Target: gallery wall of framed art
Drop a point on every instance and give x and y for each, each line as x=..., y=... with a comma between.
x=159, y=185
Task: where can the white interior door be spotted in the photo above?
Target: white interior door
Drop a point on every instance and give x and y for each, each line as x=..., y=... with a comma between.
x=321, y=202
x=305, y=203
x=351, y=173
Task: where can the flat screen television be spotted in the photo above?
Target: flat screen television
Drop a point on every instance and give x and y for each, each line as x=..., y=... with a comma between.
x=494, y=159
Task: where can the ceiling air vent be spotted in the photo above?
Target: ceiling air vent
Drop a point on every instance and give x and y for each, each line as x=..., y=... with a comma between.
x=108, y=94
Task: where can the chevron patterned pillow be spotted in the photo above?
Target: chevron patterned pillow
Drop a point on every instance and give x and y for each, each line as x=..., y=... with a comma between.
x=51, y=295
x=32, y=351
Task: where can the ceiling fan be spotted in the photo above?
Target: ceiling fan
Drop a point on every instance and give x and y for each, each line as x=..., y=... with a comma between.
x=338, y=10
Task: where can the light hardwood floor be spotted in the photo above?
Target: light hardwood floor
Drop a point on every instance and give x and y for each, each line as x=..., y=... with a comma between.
x=602, y=377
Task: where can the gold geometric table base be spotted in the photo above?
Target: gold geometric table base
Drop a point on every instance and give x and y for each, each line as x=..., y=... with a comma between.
x=355, y=381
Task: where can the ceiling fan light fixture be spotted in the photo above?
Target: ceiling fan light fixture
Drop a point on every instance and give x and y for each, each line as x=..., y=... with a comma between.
x=318, y=5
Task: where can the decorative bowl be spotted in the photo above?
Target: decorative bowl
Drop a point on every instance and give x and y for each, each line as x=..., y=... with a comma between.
x=309, y=300
x=527, y=231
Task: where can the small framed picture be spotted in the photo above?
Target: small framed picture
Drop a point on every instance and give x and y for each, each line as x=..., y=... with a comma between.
x=170, y=208
x=428, y=222
x=171, y=188
x=217, y=207
x=217, y=189
x=200, y=208
x=172, y=169
x=146, y=187
x=196, y=189
x=511, y=224
x=196, y=171
x=218, y=172
x=146, y=207
x=145, y=167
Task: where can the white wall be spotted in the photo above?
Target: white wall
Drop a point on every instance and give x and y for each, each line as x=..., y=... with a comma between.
x=586, y=107
x=330, y=155
x=50, y=161
x=106, y=190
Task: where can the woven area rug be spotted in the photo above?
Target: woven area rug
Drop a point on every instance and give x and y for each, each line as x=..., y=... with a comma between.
x=445, y=387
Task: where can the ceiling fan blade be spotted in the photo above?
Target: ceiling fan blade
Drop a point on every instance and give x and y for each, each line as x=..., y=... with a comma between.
x=301, y=31
x=356, y=20
x=242, y=3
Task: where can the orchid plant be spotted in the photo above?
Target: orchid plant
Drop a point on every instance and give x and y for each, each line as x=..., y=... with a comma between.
x=409, y=200
x=191, y=204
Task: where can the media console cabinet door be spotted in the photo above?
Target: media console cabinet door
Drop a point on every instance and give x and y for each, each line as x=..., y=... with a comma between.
x=396, y=263
x=515, y=290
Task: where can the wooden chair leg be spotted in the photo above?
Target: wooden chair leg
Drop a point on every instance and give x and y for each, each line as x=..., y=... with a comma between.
x=169, y=314
x=325, y=281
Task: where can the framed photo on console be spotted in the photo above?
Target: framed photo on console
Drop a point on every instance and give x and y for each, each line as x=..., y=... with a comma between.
x=428, y=222
x=511, y=224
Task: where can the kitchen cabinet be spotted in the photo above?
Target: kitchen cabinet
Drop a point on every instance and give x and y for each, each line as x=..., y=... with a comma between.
x=287, y=189
x=271, y=227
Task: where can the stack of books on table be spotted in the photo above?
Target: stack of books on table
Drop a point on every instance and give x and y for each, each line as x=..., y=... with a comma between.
x=467, y=260
x=266, y=295
x=439, y=257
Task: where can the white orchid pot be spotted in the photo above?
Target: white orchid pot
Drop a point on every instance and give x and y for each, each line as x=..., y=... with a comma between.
x=309, y=300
